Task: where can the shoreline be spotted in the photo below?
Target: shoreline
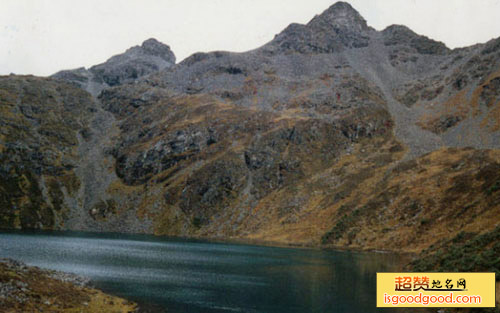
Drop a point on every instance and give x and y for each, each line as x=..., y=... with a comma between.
x=25, y=288
x=203, y=239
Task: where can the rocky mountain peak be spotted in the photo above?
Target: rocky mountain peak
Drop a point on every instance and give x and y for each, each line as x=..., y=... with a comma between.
x=337, y=28
x=149, y=49
x=153, y=47
x=340, y=15
x=139, y=61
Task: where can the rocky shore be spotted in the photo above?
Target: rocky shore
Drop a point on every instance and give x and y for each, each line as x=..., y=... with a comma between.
x=31, y=289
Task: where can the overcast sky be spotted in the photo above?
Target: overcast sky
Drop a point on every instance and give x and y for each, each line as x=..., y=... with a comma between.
x=43, y=36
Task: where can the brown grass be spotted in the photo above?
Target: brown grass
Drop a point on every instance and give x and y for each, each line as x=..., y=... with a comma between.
x=45, y=294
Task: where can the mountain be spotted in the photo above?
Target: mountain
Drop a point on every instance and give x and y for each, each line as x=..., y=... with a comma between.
x=333, y=134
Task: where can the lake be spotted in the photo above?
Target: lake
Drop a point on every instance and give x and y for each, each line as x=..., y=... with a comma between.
x=195, y=276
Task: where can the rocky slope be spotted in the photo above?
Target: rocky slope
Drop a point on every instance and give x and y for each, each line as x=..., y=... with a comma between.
x=42, y=124
x=331, y=134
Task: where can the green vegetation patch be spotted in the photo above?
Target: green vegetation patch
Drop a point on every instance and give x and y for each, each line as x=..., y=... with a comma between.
x=466, y=252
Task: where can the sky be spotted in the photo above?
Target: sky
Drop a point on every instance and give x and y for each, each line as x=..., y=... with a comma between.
x=41, y=37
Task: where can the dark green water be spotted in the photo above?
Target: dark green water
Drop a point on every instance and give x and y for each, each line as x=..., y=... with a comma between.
x=190, y=276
